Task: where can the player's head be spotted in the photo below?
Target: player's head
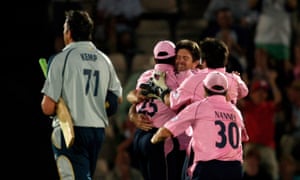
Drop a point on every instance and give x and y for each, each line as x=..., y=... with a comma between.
x=188, y=55
x=215, y=82
x=78, y=26
x=214, y=52
x=164, y=52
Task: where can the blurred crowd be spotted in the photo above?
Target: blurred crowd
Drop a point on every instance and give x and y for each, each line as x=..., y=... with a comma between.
x=264, y=41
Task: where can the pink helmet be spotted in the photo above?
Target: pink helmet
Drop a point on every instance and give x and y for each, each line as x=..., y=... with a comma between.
x=216, y=78
x=166, y=46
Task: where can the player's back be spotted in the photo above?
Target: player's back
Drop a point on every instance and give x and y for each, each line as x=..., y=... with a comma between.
x=87, y=76
x=217, y=129
x=157, y=111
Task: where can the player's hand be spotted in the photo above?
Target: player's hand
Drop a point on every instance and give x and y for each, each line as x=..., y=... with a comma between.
x=140, y=96
x=160, y=135
x=156, y=86
x=236, y=73
x=141, y=121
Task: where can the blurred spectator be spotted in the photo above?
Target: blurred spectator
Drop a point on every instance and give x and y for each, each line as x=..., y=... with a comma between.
x=259, y=110
x=168, y=10
x=262, y=65
x=253, y=169
x=102, y=169
x=287, y=167
x=235, y=36
x=273, y=32
x=296, y=59
x=126, y=143
x=116, y=24
x=108, y=152
x=123, y=169
x=292, y=116
x=241, y=11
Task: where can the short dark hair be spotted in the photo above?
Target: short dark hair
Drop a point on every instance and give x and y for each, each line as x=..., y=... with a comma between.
x=214, y=52
x=170, y=60
x=80, y=24
x=191, y=46
x=210, y=93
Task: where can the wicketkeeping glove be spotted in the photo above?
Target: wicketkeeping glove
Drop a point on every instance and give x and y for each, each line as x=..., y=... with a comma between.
x=159, y=79
x=156, y=87
x=149, y=89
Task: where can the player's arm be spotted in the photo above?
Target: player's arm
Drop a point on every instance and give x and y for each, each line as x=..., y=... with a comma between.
x=135, y=96
x=140, y=120
x=162, y=134
x=48, y=106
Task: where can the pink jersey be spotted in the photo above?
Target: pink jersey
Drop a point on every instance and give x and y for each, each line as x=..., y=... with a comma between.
x=217, y=129
x=182, y=75
x=157, y=111
x=191, y=89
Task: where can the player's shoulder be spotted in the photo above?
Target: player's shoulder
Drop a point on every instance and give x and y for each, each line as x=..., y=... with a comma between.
x=145, y=76
x=233, y=76
x=202, y=105
x=199, y=75
x=56, y=58
x=147, y=73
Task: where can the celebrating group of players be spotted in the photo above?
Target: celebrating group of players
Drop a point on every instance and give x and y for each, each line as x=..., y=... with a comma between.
x=188, y=124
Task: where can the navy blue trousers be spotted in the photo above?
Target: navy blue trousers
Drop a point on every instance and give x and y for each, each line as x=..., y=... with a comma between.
x=218, y=170
x=151, y=158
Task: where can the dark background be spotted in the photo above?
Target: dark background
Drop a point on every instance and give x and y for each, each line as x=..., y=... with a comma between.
x=26, y=36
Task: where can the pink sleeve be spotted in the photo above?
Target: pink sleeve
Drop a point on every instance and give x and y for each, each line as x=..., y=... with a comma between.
x=242, y=88
x=182, y=120
x=245, y=136
x=190, y=90
x=237, y=87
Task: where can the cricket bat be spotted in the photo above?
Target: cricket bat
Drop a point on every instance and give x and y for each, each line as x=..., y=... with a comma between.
x=62, y=112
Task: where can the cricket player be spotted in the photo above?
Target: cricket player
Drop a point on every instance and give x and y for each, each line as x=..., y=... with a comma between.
x=82, y=75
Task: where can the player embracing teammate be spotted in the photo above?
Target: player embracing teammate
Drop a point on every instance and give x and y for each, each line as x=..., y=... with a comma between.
x=214, y=58
x=149, y=112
